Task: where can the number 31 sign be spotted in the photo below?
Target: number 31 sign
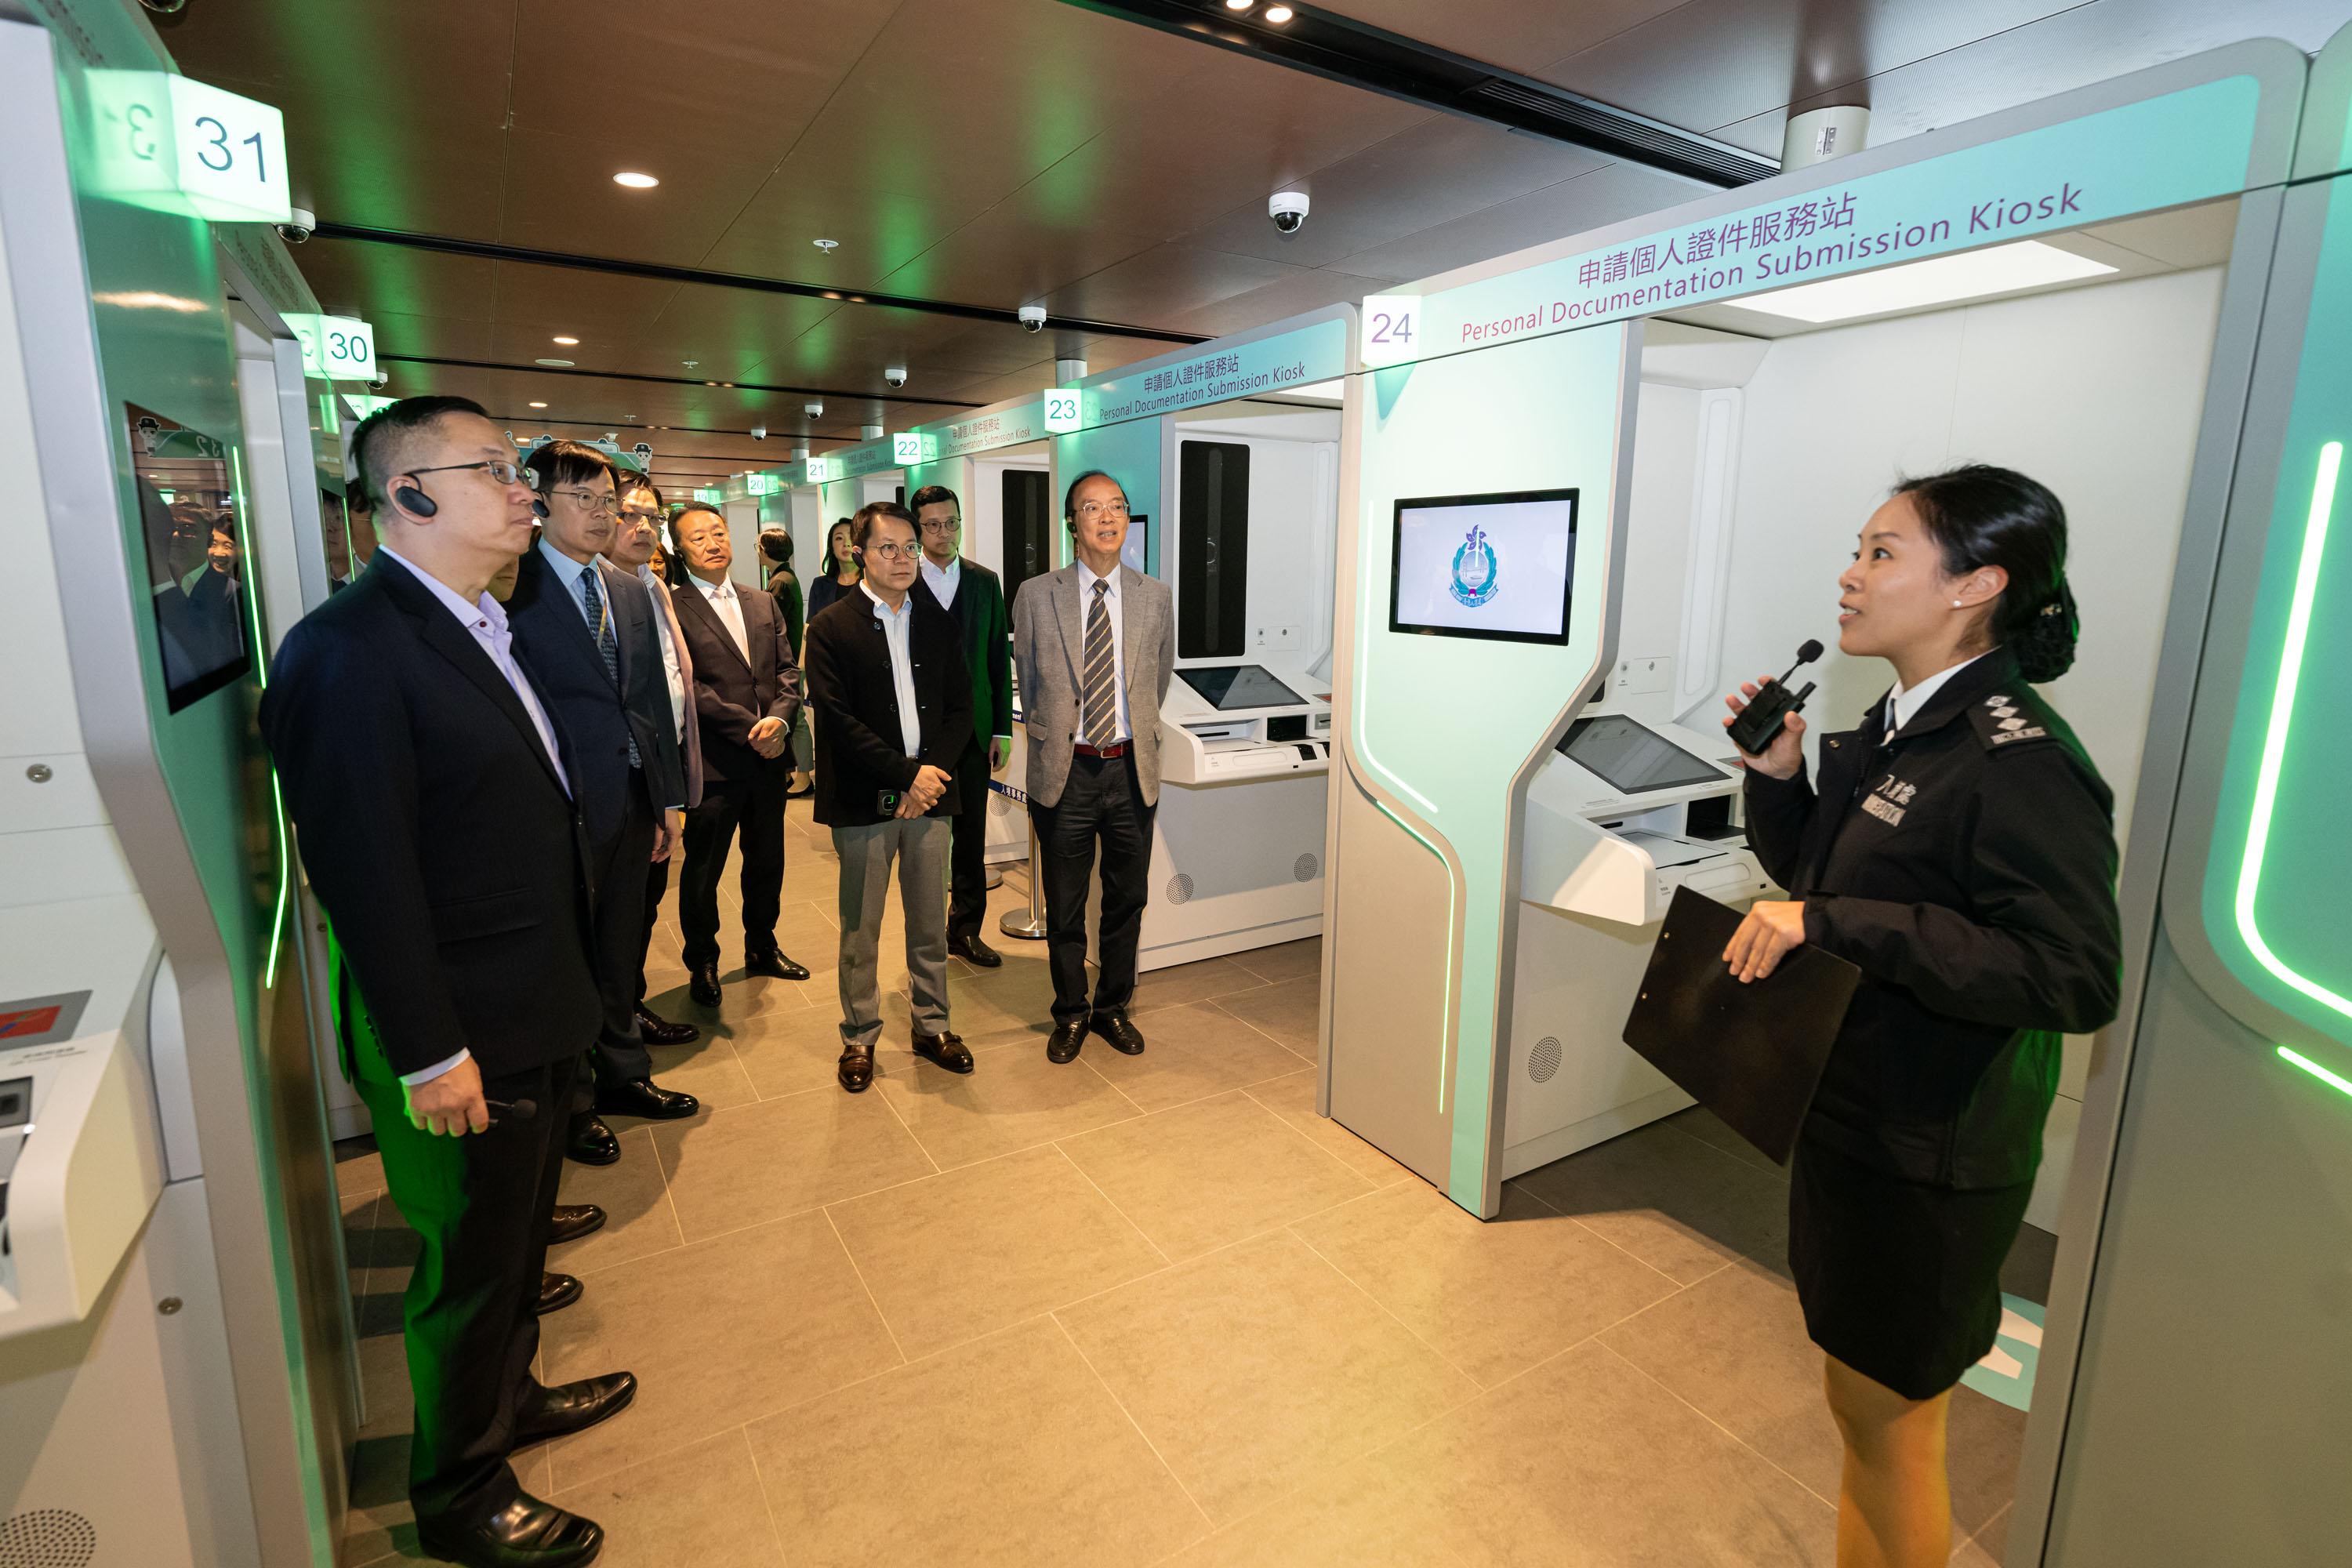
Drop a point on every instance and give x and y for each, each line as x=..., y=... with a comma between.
x=1391, y=323
x=174, y=144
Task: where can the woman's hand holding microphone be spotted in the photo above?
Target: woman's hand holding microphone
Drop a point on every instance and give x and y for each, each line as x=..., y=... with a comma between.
x=1773, y=928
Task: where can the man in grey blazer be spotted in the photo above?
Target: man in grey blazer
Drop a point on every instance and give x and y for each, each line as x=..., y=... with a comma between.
x=1094, y=644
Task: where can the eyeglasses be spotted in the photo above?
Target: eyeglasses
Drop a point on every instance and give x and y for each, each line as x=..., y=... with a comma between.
x=891, y=550
x=504, y=473
x=597, y=505
x=1091, y=510
x=645, y=514
x=935, y=526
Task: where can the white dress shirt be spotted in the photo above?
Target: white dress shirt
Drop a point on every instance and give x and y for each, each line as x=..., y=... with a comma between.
x=671, y=670
x=728, y=607
x=1902, y=706
x=942, y=580
x=568, y=573
x=1121, y=730
x=487, y=621
x=894, y=625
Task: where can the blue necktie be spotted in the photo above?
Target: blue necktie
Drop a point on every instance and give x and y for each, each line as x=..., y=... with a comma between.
x=591, y=602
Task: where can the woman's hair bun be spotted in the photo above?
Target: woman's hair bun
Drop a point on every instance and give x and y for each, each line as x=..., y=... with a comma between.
x=2044, y=647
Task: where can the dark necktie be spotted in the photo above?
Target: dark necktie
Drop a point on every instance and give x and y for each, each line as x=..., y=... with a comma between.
x=591, y=600
x=1098, y=690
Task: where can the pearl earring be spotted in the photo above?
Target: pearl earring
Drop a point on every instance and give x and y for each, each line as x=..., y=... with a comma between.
x=1956, y=604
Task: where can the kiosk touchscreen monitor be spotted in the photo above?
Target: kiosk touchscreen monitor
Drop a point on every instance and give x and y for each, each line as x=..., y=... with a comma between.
x=1501, y=567
x=1633, y=759
x=195, y=555
x=1228, y=687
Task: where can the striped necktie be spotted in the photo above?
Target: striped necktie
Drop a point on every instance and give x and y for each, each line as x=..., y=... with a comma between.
x=592, y=601
x=1098, y=691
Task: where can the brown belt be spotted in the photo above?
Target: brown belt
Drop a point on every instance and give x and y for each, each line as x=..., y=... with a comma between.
x=1117, y=750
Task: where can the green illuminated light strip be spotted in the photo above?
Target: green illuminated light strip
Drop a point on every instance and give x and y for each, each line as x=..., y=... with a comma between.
x=2315, y=1071
x=2258, y=829
x=261, y=677
x=1445, y=1039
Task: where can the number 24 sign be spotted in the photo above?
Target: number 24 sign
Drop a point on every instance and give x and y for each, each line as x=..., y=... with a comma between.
x=1391, y=324
x=174, y=144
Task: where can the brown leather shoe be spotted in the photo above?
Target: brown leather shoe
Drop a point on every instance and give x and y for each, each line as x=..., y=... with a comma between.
x=856, y=1068
x=556, y=1291
x=569, y=1222
x=945, y=1049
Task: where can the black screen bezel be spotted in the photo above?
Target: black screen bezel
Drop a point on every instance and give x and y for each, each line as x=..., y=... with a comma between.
x=1572, y=494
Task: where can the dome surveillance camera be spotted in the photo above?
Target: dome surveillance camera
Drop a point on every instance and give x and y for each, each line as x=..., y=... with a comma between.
x=1288, y=211
x=1033, y=318
x=813, y=410
x=299, y=226
x=895, y=375
x=759, y=431
x=379, y=384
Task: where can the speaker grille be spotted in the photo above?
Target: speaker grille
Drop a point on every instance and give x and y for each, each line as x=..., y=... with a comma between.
x=1305, y=869
x=48, y=1537
x=999, y=805
x=1544, y=1060
x=1180, y=888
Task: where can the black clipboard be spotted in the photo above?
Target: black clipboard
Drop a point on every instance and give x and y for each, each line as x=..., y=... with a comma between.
x=1752, y=1054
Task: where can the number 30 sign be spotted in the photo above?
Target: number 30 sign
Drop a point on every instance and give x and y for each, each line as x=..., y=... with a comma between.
x=174, y=144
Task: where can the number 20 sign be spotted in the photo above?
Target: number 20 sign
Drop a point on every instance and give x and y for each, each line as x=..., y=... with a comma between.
x=174, y=144
x=1390, y=324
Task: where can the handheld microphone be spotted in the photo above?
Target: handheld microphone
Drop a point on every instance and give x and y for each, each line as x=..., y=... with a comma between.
x=1767, y=711
x=517, y=1111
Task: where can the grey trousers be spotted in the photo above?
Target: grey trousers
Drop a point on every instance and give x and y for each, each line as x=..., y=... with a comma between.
x=920, y=846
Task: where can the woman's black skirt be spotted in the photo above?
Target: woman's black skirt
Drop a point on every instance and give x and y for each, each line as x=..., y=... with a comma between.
x=1899, y=1279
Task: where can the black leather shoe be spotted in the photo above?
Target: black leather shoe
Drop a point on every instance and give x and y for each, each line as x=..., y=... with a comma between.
x=556, y=1291
x=656, y=1030
x=856, y=1068
x=775, y=965
x=569, y=1408
x=946, y=1048
x=643, y=1097
x=971, y=949
x=1124, y=1036
x=590, y=1142
x=1069, y=1034
x=526, y=1533
x=703, y=984
x=572, y=1221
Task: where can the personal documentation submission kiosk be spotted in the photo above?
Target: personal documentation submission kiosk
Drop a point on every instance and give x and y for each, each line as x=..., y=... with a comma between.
x=2140, y=292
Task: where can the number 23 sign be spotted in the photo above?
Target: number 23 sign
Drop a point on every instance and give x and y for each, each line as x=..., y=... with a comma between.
x=174, y=144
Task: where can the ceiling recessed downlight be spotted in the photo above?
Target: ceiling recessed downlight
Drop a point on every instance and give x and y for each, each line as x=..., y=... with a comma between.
x=1278, y=15
x=635, y=181
x=538, y=406
x=569, y=343
x=1940, y=280
x=1239, y=4
x=555, y=363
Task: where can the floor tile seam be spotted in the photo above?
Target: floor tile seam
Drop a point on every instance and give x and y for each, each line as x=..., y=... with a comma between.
x=910, y=1131
x=1042, y=1143
x=1112, y=1393
x=1469, y=1378
x=875, y=1302
x=1158, y=1251
x=1207, y=1253
x=1106, y=1077
x=1217, y=1094
x=1578, y=1220
x=766, y=1503
x=1775, y=1171
x=1300, y=1133
x=1263, y=1034
x=1769, y=1462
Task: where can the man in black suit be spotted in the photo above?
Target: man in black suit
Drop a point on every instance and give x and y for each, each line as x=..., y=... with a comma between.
x=747, y=691
x=585, y=631
x=894, y=712
x=427, y=782
x=975, y=596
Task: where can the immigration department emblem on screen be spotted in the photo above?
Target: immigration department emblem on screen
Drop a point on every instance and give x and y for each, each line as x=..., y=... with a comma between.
x=1473, y=568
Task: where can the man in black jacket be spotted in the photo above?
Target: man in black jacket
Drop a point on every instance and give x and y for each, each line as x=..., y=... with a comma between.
x=427, y=782
x=894, y=714
x=747, y=691
x=585, y=630
x=975, y=596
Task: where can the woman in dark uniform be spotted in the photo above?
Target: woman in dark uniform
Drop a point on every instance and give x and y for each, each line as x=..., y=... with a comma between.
x=1961, y=850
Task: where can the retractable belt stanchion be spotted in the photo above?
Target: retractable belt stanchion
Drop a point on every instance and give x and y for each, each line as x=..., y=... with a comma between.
x=1030, y=927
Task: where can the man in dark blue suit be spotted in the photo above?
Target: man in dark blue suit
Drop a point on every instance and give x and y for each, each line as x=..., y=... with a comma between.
x=585, y=630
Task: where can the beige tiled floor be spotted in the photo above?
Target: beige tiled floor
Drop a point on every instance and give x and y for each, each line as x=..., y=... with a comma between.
x=1142, y=1311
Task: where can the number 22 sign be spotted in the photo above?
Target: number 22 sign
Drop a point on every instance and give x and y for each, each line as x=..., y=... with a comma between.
x=1391, y=324
x=175, y=144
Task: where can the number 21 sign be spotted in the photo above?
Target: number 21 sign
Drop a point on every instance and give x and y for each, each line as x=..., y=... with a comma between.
x=1390, y=324
x=175, y=144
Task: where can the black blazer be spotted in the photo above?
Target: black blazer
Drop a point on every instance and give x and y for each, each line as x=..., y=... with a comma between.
x=731, y=693
x=596, y=718
x=979, y=610
x=859, y=751
x=435, y=829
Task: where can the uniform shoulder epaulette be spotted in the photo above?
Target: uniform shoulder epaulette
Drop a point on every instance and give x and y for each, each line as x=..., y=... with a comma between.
x=2007, y=720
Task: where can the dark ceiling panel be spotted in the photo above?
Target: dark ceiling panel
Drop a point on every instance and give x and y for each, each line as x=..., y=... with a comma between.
x=1008, y=258
x=561, y=196
x=1604, y=196
x=1276, y=300
x=578, y=304
x=1166, y=281
x=878, y=231
x=1512, y=34
x=435, y=337
x=702, y=323
x=353, y=279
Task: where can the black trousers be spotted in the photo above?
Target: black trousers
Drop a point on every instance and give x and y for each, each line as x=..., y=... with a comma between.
x=656, y=888
x=967, y=858
x=755, y=806
x=1102, y=804
x=618, y=938
x=479, y=1206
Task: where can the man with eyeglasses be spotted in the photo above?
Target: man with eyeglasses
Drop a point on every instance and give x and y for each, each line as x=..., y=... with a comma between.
x=585, y=632
x=975, y=596
x=435, y=817
x=894, y=714
x=1095, y=644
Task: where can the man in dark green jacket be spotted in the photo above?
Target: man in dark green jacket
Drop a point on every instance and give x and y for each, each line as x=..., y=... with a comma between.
x=975, y=596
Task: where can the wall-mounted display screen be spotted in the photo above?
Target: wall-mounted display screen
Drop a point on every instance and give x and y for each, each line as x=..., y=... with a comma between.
x=1230, y=687
x=196, y=566
x=1632, y=758
x=1495, y=567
